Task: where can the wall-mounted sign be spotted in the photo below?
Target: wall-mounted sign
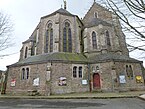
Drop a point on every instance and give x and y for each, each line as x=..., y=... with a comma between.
x=84, y=82
x=13, y=82
x=122, y=79
x=36, y=82
x=138, y=79
x=62, y=81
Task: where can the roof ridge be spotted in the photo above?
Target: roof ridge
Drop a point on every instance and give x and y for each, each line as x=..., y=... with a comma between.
x=88, y=10
x=98, y=5
x=61, y=11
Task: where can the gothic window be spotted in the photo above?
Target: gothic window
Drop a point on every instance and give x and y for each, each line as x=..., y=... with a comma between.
x=23, y=74
x=67, y=38
x=64, y=40
x=80, y=72
x=27, y=73
x=26, y=52
x=129, y=71
x=108, y=38
x=94, y=41
x=49, y=38
x=74, y=72
x=46, y=46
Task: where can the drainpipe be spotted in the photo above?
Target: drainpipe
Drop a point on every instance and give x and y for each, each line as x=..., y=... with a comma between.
x=89, y=77
x=2, y=83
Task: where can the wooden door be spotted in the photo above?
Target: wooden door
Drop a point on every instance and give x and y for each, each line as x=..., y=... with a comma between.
x=96, y=81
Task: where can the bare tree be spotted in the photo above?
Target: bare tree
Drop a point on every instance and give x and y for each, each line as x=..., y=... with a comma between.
x=6, y=28
x=132, y=16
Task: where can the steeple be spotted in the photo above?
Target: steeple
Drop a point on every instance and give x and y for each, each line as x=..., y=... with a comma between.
x=64, y=4
x=94, y=0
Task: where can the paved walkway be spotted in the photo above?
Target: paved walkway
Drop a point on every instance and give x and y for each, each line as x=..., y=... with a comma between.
x=95, y=95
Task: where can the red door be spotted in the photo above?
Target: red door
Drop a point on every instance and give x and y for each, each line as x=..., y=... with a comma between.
x=96, y=81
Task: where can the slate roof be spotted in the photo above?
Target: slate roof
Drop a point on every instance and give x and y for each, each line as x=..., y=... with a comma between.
x=61, y=11
x=96, y=22
x=53, y=57
x=73, y=58
x=112, y=57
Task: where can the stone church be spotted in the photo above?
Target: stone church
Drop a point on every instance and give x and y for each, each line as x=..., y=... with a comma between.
x=66, y=54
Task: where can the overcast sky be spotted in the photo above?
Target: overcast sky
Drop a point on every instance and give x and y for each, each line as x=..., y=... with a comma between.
x=25, y=15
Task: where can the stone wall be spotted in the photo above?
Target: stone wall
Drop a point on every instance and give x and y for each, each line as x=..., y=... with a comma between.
x=46, y=86
x=72, y=84
x=24, y=85
x=57, y=25
x=110, y=73
x=103, y=13
x=131, y=84
x=101, y=40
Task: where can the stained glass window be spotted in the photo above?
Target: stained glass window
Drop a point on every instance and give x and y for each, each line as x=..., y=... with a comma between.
x=94, y=41
x=67, y=38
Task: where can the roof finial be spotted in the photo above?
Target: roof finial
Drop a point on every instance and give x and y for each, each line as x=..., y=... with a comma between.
x=94, y=0
x=64, y=4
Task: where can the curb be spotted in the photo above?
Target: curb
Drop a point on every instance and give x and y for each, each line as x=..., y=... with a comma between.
x=136, y=94
x=64, y=97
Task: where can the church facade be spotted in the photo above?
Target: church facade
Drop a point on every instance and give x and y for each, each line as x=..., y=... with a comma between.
x=66, y=54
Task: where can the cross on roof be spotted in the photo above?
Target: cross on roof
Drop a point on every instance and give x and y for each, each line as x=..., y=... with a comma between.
x=64, y=4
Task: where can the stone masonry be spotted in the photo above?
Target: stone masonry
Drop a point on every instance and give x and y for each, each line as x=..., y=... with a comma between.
x=66, y=54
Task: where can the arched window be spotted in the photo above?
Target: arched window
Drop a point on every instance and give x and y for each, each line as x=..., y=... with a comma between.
x=108, y=38
x=49, y=38
x=67, y=38
x=74, y=72
x=129, y=71
x=95, y=14
x=80, y=72
x=46, y=43
x=26, y=52
x=23, y=74
x=94, y=41
x=27, y=73
x=64, y=40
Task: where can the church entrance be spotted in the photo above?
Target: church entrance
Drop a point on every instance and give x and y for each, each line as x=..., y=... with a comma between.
x=96, y=81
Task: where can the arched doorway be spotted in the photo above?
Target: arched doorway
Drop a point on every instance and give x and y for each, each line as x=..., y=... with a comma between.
x=96, y=81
